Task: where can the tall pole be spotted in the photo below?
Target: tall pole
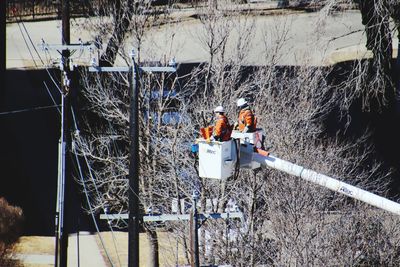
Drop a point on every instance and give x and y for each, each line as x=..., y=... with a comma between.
x=134, y=217
x=63, y=177
x=59, y=216
x=61, y=246
x=195, y=233
x=65, y=17
x=134, y=163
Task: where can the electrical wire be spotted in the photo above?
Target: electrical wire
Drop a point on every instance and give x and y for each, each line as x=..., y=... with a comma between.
x=30, y=39
x=47, y=70
x=90, y=205
x=97, y=191
x=28, y=109
x=51, y=96
x=37, y=53
x=26, y=43
x=79, y=167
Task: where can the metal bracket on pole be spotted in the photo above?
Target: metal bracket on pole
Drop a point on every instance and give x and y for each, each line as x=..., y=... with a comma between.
x=58, y=47
x=72, y=48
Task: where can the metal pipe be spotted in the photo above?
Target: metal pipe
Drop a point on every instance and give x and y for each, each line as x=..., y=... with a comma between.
x=328, y=182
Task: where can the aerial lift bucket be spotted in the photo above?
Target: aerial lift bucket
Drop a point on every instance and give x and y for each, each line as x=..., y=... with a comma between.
x=216, y=159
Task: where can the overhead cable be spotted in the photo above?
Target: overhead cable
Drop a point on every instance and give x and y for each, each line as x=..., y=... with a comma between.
x=28, y=109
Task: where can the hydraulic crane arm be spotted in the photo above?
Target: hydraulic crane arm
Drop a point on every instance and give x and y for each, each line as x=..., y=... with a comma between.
x=218, y=160
x=328, y=182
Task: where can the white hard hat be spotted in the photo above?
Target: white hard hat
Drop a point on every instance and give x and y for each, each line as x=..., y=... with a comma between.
x=219, y=109
x=241, y=102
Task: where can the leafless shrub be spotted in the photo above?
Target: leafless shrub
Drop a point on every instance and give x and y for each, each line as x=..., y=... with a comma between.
x=10, y=229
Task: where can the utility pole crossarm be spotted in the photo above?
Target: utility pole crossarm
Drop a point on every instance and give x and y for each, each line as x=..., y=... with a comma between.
x=158, y=69
x=173, y=217
x=110, y=69
x=127, y=69
x=59, y=47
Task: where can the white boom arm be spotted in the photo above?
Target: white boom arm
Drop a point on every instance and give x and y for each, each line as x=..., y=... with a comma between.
x=328, y=182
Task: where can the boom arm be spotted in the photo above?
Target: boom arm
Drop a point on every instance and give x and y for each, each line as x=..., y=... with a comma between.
x=328, y=182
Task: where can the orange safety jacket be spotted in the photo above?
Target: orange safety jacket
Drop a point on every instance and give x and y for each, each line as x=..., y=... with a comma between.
x=222, y=129
x=247, y=118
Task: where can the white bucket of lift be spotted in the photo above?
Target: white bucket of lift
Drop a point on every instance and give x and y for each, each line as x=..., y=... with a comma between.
x=216, y=159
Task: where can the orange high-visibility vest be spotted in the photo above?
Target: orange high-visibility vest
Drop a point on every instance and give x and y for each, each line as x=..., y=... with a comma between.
x=222, y=129
x=247, y=118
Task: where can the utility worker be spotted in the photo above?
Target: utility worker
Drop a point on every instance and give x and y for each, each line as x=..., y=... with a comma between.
x=247, y=122
x=222, y=129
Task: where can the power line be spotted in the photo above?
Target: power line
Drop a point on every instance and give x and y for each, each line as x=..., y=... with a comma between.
x=96, y=188
x=79, y=167
x=51, y=96
x=93, y=181
x=28, y=109
x=37, y=53
x=90, y=205
x=26, y=43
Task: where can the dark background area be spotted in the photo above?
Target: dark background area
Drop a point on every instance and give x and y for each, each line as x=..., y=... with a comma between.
x=29, y=152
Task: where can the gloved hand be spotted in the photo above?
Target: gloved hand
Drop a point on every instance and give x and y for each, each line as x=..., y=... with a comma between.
x=246, y=129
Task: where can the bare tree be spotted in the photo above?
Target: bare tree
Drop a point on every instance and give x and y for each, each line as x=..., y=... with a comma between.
x=373, y=80
x=287, y=221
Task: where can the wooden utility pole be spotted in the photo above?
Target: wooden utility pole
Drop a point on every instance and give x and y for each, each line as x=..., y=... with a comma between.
x=134, y=216
x=64, y=181
x=62, y=231
x=195, y=232
x=65, y=17
x=134, y=163
x=63, y=177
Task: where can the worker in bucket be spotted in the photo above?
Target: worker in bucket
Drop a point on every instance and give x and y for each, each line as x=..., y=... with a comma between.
x=222, y=129
x=247, y=121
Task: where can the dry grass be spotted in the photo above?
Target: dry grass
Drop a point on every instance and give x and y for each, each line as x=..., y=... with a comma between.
x=35, y=245
x=167, y=246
